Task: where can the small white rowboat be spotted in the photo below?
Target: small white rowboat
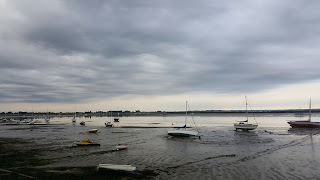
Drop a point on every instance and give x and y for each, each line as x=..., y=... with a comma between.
x=115, y=167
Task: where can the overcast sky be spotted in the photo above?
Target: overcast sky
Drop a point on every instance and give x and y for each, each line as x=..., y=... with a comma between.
x=155, y=55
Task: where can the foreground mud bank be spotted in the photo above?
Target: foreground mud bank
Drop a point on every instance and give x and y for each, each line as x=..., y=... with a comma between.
x=32, y=163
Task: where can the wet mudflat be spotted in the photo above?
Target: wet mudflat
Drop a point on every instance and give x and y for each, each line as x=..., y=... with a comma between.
x=48, y=152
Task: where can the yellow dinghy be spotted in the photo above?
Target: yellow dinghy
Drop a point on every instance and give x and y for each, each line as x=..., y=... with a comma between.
x=86, y=142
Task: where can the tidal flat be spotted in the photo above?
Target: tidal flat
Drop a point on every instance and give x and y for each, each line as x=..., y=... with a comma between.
x=273, y=151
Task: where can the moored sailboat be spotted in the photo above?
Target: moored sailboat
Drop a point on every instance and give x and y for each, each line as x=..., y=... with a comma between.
x=120, y=146
x=182, y=131
x=244, y=125
x=305, y=123
x=74, y=120
x=108, y=124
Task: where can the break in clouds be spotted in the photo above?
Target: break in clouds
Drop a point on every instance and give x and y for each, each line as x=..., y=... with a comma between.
x=72, y=51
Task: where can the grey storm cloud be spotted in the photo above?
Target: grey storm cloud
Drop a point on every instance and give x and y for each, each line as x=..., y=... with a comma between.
x=72, y=51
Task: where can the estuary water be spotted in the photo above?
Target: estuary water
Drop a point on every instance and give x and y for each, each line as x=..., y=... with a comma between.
x=272, y=151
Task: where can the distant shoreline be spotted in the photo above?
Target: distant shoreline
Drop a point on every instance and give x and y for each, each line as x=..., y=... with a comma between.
x=24, y=115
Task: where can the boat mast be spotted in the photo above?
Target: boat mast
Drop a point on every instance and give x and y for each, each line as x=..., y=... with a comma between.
x=310, y=110
x=75, y=111
x=119, y=137
x=247, y=108
x=185, y=123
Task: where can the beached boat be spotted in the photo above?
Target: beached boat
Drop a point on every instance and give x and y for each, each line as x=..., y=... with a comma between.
x=108, y=124
x=121, y=147
x=93, y=130
x=31, y=122
x=305, y=123
x=244, y=125
x=116, y=119
x=5, y=118
x=116, y=168
x=47, y=118
x=182, y=131
x=74, y=120
x=86, y=142
x=74, y=117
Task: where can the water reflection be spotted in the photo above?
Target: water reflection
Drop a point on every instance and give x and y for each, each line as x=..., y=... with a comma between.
x=245, y=134
x=309, y=133
x=304, y=131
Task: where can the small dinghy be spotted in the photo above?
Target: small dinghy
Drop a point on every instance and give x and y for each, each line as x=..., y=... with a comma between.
x=86, y=142
x=82, y=123
x=108, y=124
x=93, y=130
x=116, y=168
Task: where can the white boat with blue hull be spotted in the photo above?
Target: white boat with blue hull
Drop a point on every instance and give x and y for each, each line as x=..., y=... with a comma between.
x=116, y=168
x=182, y=131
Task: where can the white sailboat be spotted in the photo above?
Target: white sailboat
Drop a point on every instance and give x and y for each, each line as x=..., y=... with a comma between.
x=109, y=123
x=47, y=119
x=74, y=120
x=182, y=131
x=31, y=122
x=244, y=125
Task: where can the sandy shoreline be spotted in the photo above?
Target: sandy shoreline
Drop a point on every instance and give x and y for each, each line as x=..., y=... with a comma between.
x=48, y=152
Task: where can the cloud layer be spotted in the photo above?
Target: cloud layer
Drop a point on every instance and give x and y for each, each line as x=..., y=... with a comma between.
x=84, y=51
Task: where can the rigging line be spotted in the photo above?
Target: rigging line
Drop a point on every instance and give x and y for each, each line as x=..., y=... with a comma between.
x=193, y=118
x=254, y=117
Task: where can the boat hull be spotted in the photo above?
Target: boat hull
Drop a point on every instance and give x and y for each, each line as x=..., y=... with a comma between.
x=304, y=124
x=93, y=130
x=245, y=127
x=121, y=147
x=109, y=124
x=87, y=144
x=182, y=133
x=116, y=168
